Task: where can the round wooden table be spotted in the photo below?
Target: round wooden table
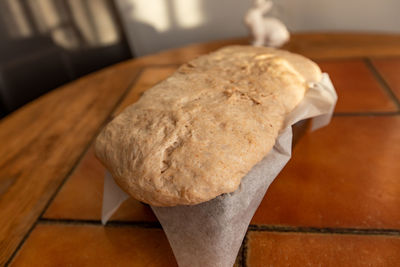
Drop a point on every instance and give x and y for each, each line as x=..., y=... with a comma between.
x=42, y=143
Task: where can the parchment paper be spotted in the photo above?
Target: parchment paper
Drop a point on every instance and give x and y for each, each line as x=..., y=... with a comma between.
x=211, y=233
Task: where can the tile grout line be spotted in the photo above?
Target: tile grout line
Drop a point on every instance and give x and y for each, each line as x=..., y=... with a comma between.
x=74, y=165
x=163, y=65
x=244, y=250
x=27, y=234
x=382, y=82
x=139, y=224
x=324, y=230
x=366, y=114
x=252, y=227
x=340, y=59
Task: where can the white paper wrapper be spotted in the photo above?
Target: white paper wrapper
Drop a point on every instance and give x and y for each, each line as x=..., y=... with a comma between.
x=211, y=233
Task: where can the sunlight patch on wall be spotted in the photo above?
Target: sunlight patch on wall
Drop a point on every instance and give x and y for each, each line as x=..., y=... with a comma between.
x=152, y=12
x=188, y=13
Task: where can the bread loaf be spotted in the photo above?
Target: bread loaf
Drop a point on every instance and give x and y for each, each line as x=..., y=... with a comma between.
x=195, y=135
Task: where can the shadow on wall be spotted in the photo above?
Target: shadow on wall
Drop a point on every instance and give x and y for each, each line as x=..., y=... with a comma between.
x=155, y=25
x=46, y=43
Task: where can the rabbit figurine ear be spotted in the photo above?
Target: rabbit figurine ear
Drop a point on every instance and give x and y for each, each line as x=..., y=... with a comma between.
x=264, y=5
x=266, y=31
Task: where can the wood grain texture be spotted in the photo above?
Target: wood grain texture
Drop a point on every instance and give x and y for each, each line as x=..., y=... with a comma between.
x=41, y=143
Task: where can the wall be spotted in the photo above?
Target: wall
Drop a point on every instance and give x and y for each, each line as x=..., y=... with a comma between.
x=342, y=15
x=154, y=25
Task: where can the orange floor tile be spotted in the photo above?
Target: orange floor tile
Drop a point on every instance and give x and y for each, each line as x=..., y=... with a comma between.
x=88, y=245
x=357, y=88
x=389, y=68
x=344, y=175
x=81, y=196
x=303, y=249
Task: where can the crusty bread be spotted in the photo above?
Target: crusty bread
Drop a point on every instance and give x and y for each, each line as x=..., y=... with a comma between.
x=195, y=135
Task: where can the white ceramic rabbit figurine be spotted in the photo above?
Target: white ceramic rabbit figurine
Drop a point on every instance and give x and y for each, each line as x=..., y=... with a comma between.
x=266, y=31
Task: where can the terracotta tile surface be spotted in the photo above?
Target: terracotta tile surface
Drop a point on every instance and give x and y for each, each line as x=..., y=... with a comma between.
x=389, y=69
x=81, y=196
x=357, y=88
x=85, y=245
x=344, y=175
x=296, y=249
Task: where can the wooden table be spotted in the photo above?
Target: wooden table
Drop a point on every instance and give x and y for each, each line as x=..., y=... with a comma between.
x=336, y=203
